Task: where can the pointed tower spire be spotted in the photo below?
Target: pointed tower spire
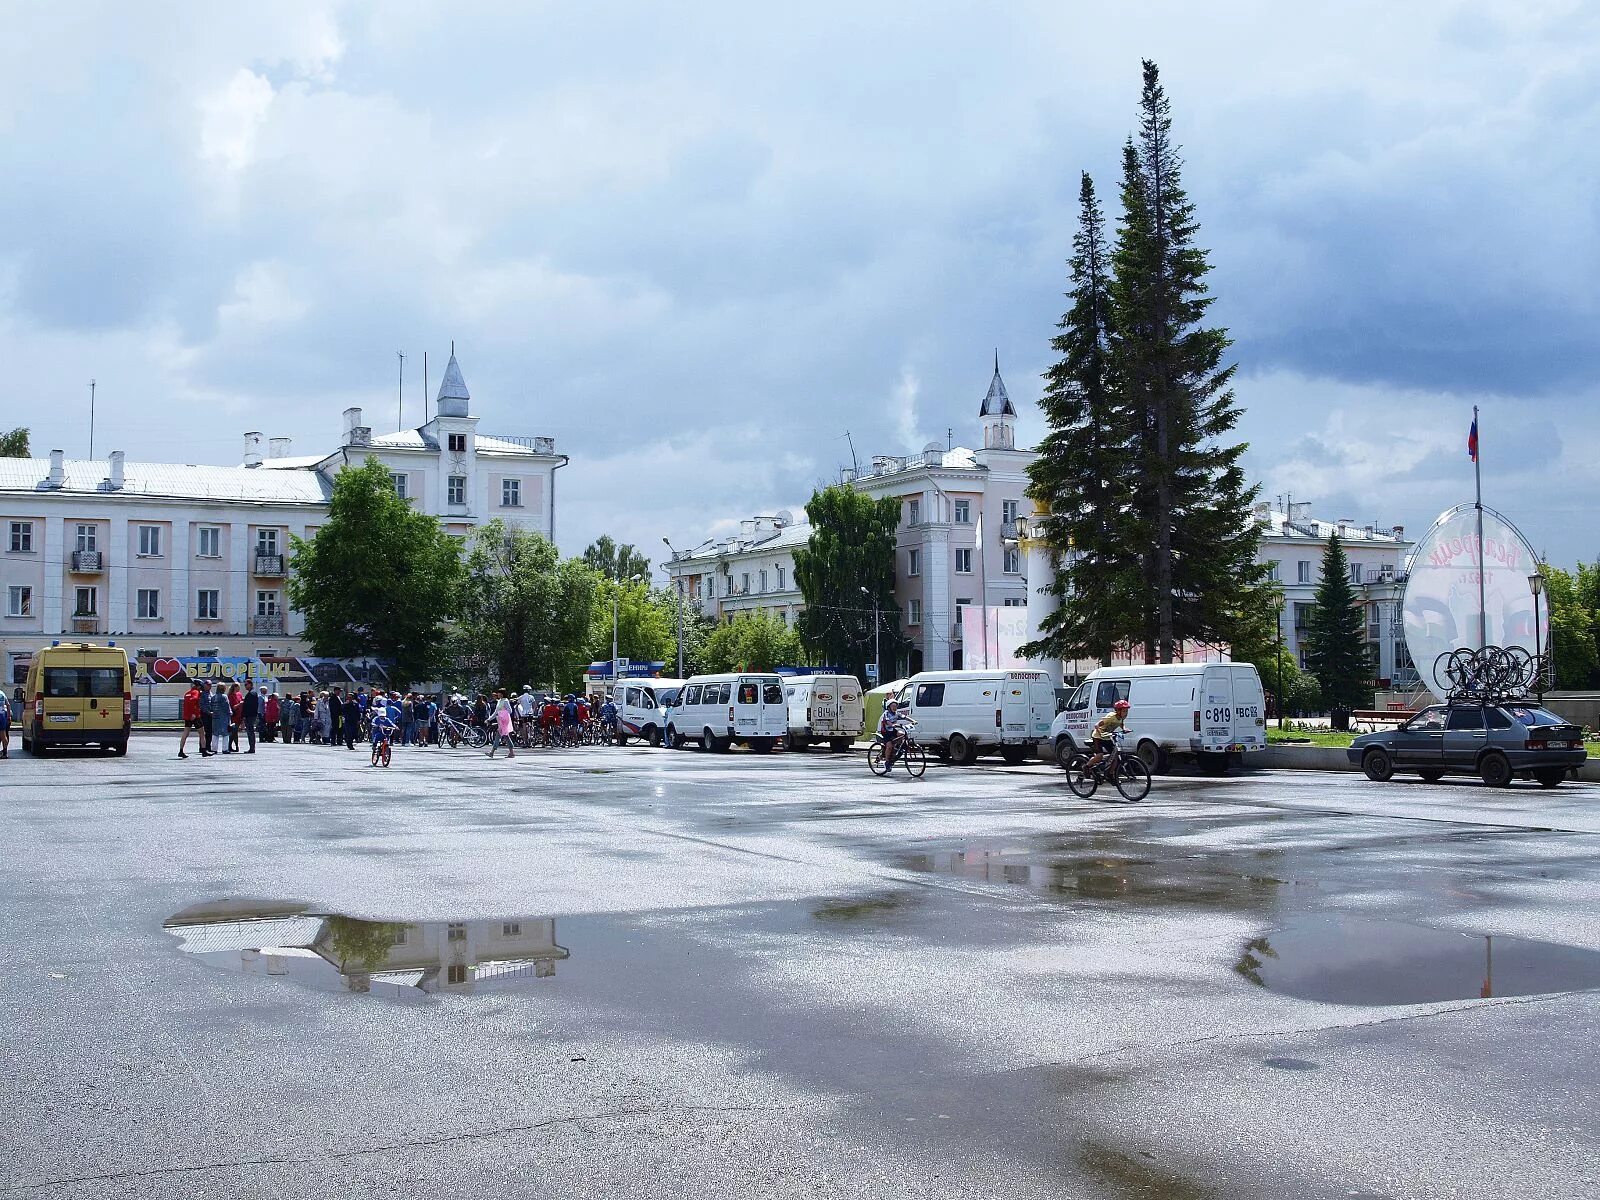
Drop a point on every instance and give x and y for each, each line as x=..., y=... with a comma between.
x=997, y=414
x=453, y=395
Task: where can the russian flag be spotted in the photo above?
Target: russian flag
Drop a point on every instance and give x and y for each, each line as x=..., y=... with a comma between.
x=1472, y=441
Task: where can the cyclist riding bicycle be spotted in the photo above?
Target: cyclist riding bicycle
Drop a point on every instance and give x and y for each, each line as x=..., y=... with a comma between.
x=1103, y=739
x=608, y=715
x=892, y=728
x=383, y=727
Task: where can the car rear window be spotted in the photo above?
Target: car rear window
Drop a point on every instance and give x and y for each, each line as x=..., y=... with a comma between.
x=71, y=682
x=1529, y=715
x=772, y=693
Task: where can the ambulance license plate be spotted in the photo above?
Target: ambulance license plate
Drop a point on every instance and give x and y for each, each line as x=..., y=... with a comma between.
x=62, y=718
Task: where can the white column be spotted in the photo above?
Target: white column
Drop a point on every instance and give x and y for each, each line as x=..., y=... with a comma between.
x=239, y=580
x=180, y=604
x=938, y=612
x=1042, y=601
x=53, y=545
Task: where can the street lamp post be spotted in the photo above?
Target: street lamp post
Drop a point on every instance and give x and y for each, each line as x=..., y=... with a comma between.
x=877, y=659
x=674, y=554
x=1536, y=586
x=615, y=597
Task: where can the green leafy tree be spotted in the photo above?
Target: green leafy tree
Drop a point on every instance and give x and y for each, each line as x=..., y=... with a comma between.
x=646, y=629
x=754, y=642
x=852, y=547
x=358, y=945
x=1336, y=646
x=526, y=614
x=14, y=444
x=615, y=561
x=1080, y=480
x=1301, y=695
x=1574, y=648
x=697, y=630
x=379, y=578
x=1191, y=504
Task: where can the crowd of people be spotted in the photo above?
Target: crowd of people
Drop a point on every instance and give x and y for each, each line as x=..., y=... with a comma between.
x=234, y=718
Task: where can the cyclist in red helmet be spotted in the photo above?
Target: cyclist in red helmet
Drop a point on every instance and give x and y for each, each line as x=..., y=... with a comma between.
x=1102, y=739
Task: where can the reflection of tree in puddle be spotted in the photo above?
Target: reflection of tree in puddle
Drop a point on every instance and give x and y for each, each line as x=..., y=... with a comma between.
x=354, y=944
x=882, y=906
x=1253, y=958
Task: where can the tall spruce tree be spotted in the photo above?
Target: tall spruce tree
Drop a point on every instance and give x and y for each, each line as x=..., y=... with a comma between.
x=1336, y=646
x=1191, y=503
x=1080, y=478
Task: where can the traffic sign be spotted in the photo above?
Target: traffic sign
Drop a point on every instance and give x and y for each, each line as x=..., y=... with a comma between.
x=872, y=672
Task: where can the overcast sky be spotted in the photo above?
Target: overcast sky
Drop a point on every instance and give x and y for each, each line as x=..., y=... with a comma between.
x=697, y=243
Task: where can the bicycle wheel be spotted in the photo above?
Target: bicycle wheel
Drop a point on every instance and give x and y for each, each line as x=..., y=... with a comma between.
x=1079, y=778
x=916, y=760
x=383, y=751
x=1133, y=777
x=875, y=760
x=374, y=753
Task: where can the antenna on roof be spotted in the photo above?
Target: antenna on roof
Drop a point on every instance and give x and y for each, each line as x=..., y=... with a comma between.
x=91, y=419
x=424, y=387
x=853, y=461
x=400, y=417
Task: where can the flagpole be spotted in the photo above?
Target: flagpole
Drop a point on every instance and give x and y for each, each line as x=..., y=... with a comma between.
x=1477, y=479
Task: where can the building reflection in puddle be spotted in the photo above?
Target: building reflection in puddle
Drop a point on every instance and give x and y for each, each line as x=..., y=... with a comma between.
x=401, y=960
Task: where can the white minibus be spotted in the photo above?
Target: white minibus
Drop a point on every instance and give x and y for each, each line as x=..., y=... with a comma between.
x=716, y=711
x=962, y=713
x=1215, y=711
x=641, y=708
x=825, y=708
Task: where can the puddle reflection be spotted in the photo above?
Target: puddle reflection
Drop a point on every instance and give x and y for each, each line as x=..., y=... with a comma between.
x=400, y=960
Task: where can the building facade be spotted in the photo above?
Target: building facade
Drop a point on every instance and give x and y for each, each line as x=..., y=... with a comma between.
x=192, y=560
x=955, y=548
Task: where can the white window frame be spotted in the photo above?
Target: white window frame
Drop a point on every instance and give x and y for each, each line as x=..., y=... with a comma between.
x=963, y=512
x=782, y=575
x=511, y=493
x=913, y=612
x=914, y=561
x=962, y=604
x=21, y=537
x=266, y=541
x=1305, y=573
x=149, y=541
x=147, y=604
x=200, y=606
x=1272, y=570
x=1014, y=602
x=1008, y=509
x=19, y=600
x=212, y=534
x=1012, y=562
x=456, y=442
x=763, y=581
x=88, y=539
x=456, y=489
x=267, y=602
x=964, y=555
x=78, y=607
x=1355, y=572
x=402, y=484
x=914, y=511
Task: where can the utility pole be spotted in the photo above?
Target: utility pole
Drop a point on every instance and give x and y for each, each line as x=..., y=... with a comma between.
x=400, y=417
x=877, y=656
x=424, y=387
x=1281, y=609
x=91, y=419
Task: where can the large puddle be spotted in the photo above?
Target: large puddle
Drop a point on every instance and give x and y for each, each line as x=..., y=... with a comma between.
x=1343, y=959
x=401, y=960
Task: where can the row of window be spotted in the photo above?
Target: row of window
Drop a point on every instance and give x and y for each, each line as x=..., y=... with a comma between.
x=961, y=511
x=1011, y=563
x=914, y=607
x=148, y=537
x=1308, y=570
x=456, y=489
x=761, y=577
x=147, y=603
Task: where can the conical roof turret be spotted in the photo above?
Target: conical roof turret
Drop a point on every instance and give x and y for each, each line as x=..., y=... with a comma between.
x=997, y=403
x=453, y=395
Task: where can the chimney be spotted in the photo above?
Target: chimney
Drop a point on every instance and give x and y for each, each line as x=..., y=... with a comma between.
x=1399, y=533
x=360, y=435
x=58, y=468
x=252, y=449
x=352, y=421
x=279, y=447
x=116, y=471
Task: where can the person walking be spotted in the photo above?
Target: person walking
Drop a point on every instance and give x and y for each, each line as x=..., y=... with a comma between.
x=352, y=720
x=250, y=713
x=271, y=715
x=189, y=713
x=325, y=719
x=5, y=726
x=236, y=715
x=220, y=714
x=206, y=750
x=502, y=726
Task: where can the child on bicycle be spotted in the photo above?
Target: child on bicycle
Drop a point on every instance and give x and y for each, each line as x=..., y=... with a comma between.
x=383, y=727
x=892, y=729
x=1103, y=739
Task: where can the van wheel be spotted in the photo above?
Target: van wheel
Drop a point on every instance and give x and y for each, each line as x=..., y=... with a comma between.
x=119, y=748
x=1063, y=751
x=652, y=736
x=798, y=741
x=1155, y=758
x=1495, y=770
x=761, y=745
x=622, y=735
x=1012, y=756
x=839, y=745
x=962, y=752
x=1213, y=763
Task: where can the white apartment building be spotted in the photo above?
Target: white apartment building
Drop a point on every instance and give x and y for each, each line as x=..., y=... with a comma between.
x=1292, y=546
x=957, y=505
x=183, y=559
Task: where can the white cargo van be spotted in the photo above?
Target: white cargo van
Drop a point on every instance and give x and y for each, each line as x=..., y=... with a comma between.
x=965, y=712
x=825, y=708
x=641, y=711
x=715, y=711
x=1215, y=711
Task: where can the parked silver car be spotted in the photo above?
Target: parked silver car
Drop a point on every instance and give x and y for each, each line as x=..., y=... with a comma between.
x=1496, y=742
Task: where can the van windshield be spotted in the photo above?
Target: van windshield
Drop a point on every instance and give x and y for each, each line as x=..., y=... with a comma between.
x=69, y=682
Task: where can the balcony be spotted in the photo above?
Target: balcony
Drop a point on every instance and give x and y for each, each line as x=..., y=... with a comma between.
x=85, y=624
x=1008, y=531
x=269, y=625
x=269, y=565
x=87, y=562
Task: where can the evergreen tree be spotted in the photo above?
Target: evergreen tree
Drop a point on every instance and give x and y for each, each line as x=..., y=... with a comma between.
x=1191, y=503
x=852, y=548
x=1572, y=625
x=1335, y=641
x=379, y=578
x=1080, y=477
